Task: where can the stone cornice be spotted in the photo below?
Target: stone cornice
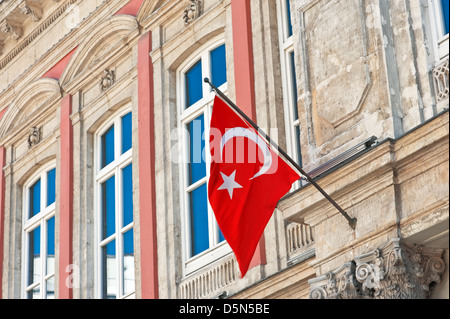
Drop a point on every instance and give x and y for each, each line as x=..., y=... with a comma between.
x=38, y=30
x=373, y=170
x=65, y=45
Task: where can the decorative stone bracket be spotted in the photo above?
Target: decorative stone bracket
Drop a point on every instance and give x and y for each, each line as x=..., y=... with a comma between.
x=192, y=11
x=14, y=31
x=108, y=79
x=34, y=136
x=395, y=271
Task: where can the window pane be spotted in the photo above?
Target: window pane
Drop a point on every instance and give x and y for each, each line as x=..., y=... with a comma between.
x=126, y=132
x=50, y=288
x=109, y=271
x=107, y=147
x=288, y=13
x=194, y=84
x=35, y=293
x=218, y=66
x=108, y=207
x=34, y=255
x=221, y=238
x=128, y=262
x=127, y=194
x=35, y=198
x=297, y=141
x=50, y=246
x=51, y=176
x=197, y=165
x=445, y=14
x=294, y=85
x=199, y=220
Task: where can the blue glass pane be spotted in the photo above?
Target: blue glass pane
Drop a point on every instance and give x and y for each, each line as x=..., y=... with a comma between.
x=194, y=84
x=294, y=85
x=51, y=178
x=197, y=165
x=128, y=262
x=108, y=207
x=127, y=194
x=126, y=132
x=445, y=13
x=34, y=255
x=288, y=13
x=35, y=198
x=199, y=220
x=108, y=147
x=218, y=66
x=109, y=272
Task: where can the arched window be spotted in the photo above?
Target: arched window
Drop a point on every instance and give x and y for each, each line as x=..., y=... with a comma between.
x=114, y=208
x=202, y=239
x=39, y=234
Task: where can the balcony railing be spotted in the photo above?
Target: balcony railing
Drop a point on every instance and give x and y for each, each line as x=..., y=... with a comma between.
x=299, y=241
x=211, y=282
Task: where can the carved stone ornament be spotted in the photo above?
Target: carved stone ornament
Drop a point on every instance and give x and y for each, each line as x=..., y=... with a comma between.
x=34, y=136
x=14, y=31
x=108, y=79
x=35, y=13
x=395, y=271
x=192, y=11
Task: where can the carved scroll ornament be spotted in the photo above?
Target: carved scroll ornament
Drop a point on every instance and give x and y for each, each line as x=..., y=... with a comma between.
x=395, y=271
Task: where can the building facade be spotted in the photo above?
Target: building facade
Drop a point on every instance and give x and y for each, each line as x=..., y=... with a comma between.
x=103, y=118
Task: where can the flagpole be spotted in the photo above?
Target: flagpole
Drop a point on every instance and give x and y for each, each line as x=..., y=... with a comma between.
x=351, y=221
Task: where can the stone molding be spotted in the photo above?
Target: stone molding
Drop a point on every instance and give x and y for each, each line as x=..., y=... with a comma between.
x=395, y=271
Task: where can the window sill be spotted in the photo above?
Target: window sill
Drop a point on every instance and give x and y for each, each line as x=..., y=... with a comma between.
x=209, y=256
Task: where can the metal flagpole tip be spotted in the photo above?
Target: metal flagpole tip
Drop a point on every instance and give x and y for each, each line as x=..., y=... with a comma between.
x=206, y=80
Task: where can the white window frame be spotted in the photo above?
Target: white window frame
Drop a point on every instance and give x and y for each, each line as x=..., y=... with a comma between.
x=440, y=39
x=30, y=224
x=286, y=48
x=203, y=106
x=101, y=175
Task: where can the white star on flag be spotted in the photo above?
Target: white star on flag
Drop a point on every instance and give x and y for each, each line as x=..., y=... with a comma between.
x=229, y=183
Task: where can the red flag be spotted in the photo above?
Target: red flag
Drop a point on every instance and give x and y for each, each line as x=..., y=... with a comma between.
x=246, y=182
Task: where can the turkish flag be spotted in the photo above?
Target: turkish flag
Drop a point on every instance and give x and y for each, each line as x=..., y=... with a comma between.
x=247, y=180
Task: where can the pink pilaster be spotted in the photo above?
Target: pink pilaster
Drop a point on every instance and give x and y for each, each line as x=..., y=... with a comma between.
x=147, y=203
x=66, y=199
x=245, y=79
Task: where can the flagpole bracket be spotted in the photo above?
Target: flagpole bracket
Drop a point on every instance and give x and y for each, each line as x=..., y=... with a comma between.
x=352, y=223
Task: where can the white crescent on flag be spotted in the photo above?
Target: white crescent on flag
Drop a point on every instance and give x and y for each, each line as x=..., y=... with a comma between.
x=243, y=132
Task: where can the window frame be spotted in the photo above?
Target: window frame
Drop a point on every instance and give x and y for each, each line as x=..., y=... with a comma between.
x=101, y=175
x=29, y=224
x=286, y=43
x=440, y=38
x=186, y=115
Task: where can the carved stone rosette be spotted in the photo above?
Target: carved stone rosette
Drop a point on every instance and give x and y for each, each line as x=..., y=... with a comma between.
x=395, y=271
